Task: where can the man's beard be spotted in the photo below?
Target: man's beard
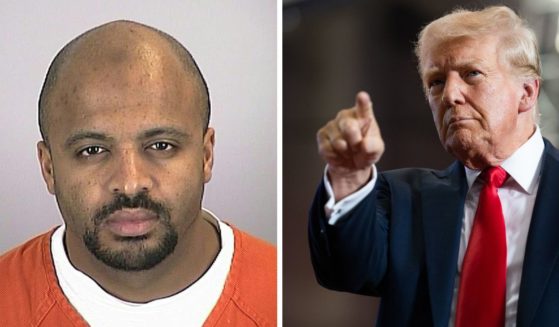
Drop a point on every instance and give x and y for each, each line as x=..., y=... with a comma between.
x=136, y=256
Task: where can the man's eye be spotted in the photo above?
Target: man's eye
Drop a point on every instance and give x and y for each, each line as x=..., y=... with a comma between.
x=436, y=84
x=474, y=73
x=161, y=146
x=91, y=151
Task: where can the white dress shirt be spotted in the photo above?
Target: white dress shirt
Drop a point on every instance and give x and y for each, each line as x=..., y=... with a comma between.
x=518, y=196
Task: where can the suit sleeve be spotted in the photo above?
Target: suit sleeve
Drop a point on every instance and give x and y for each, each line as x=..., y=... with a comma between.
x=351, y=255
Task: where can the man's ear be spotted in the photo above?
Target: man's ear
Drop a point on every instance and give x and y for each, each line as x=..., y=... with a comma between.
x=530, y=91
x=45, y=160
x=209, y=142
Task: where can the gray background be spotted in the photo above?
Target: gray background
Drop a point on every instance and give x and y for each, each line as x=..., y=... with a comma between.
x=234, y=43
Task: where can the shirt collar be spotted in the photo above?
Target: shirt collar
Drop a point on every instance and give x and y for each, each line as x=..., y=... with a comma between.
x=523, y=165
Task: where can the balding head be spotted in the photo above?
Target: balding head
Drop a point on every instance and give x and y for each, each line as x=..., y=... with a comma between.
x=116, y=47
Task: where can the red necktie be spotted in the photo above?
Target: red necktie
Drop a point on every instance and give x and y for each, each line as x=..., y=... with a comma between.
x=482, y=292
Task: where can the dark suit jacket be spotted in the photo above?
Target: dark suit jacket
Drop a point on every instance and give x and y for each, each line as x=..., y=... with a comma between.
x=401, y=243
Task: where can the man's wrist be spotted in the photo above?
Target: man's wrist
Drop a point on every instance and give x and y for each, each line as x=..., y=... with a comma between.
x=345, y=182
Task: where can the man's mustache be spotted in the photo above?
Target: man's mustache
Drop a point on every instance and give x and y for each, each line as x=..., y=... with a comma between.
x=123, y=201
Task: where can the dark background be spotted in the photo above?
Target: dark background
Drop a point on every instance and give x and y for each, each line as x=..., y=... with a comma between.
x=331, y=50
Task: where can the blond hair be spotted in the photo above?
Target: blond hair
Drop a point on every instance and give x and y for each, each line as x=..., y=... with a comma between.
x=518, y=44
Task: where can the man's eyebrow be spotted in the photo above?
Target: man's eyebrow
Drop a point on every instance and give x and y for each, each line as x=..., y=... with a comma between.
x=75, y=138
x=168, y=131
x=434, y=70
x=431, y=71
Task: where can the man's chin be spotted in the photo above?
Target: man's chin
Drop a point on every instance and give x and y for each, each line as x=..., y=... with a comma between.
x=459, y=140
x=471, y=152
x=131, y=253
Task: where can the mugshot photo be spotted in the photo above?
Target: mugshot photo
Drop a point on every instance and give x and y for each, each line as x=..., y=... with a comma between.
x=140, y=180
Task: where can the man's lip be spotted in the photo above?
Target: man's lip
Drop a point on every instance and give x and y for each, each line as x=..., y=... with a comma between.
x=458, y=120
x=131, y=222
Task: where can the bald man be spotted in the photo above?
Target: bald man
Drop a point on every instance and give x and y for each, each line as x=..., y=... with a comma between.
x=126, y=150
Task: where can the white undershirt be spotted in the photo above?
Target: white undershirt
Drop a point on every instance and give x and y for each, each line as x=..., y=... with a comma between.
x=518, y=196
x=190, y=307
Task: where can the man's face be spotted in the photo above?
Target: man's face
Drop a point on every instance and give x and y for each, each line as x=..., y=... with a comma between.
x=128, y=158
x=475, y=99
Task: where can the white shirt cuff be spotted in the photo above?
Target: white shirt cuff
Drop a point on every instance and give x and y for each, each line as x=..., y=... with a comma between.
x=336, y=210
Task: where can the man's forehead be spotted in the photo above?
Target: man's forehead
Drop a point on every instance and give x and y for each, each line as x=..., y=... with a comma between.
x=129, y=89
x=128, y=100
x=139, y=73
x=99, y=103
x=458, y=52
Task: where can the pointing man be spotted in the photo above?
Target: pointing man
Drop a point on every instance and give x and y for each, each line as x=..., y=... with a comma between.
x=475, y=244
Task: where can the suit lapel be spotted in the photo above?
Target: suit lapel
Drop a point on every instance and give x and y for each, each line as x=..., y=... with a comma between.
x=442, y=210
x=542, y=246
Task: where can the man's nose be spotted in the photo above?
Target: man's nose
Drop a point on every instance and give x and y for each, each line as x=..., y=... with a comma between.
x=453, y=93
x=131, y=174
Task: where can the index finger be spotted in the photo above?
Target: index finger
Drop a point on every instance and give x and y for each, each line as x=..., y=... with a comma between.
x=363, y=104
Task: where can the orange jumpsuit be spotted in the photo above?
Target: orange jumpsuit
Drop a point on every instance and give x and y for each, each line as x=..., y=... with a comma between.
x=30, y=294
